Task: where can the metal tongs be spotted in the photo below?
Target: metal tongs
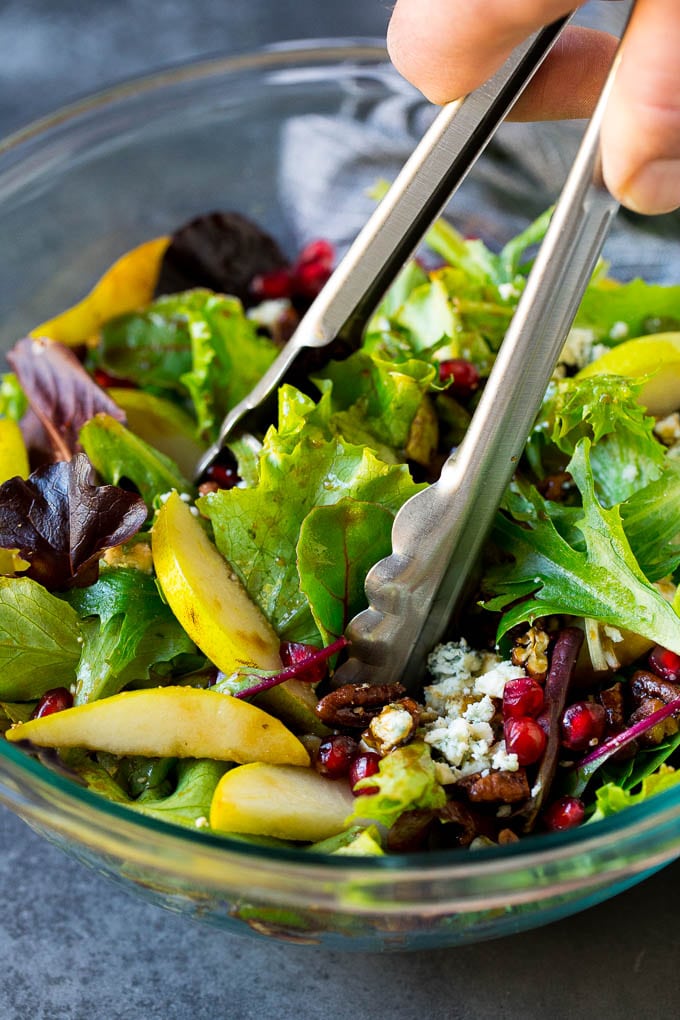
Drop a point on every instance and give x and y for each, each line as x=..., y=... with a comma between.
x=438, y=533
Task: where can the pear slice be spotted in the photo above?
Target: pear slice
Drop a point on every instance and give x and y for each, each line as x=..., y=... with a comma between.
x=656, y=355
x=169, y=722
x=277, y=800
x=13, y=455
x=162, y=424
x=206, y=596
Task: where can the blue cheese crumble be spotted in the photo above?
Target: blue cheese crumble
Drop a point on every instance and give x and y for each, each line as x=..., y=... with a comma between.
x=462, y=706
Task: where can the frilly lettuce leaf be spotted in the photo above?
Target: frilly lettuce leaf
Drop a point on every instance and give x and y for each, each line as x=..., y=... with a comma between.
x=303, y=465
x=197, y=344
x=603, y=581
x=406, y=780
x=651, y=520
x=611, y=798
x=127, y=629
x=117, y=453
x=625, y=454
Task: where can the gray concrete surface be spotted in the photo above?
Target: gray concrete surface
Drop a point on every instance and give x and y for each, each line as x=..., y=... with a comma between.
x=76, y=947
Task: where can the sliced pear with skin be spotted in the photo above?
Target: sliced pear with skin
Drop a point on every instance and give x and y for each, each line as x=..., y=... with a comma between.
x=162, y=424
x=126, y=286
x=13, y=454
x=656, y=355
x=169, y=722
x=281, y=801
x=206, y=596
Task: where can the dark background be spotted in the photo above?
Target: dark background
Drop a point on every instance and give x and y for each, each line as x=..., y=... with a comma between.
x=74, y=946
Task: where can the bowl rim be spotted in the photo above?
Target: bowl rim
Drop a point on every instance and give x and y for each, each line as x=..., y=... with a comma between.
x=531, y=851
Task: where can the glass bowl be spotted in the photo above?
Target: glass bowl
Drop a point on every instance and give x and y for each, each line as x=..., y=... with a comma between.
x=292, y=136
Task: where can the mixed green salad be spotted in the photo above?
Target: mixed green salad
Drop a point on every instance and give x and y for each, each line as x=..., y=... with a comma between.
x=171, y=645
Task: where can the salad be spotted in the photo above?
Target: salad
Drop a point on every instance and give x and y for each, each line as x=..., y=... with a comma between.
x=171, y=645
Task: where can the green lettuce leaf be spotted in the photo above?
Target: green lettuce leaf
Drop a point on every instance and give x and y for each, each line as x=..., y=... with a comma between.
x=302, y=466
x=603, y=582
x=39, y=640
x=13, y=402
x=198, y=344
x=337, y=546
x=117, y=454
x=625, y=454
x=406, y=780
x=644, y=307
x=651, y=520
x=127, y=630
x=610, y=798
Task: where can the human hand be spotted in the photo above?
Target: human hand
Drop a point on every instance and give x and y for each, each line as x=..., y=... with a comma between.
x=449, y=47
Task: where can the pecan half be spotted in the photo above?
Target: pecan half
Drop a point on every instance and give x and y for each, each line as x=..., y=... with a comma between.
x=611, y=700
x=655, y=734
x=354, y=705
x=496, y=787
x=648, y=685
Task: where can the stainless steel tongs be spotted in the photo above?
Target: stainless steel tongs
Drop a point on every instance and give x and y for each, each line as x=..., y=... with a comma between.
x=438, y=533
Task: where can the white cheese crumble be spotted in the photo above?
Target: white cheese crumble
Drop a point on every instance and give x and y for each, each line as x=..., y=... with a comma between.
x=668, y=429
x=619, y=331
x=507, y=291
x=577, y=350
x=461, y=707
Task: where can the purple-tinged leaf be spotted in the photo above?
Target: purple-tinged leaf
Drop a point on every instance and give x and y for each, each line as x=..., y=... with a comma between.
x=60, y=393
x=60, y=522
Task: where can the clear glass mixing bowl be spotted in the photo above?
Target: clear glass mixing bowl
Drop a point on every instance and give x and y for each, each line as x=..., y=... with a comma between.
x=292, y=136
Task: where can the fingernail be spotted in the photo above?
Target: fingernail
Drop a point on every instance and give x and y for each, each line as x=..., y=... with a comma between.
x=654, y=189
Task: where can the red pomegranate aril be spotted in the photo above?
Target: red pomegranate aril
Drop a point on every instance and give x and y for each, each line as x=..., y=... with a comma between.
x=523, y=696
x=272, y=286
x=108, y=381
x=320, y=252
x=525, y=738
x=294, y=653
x=583, y=725
x=665, y=664
x=364, y=765
x=55, y=700
x=335, y=756
x=459, y=376
x=565, y=813
x=224, y=476
x=309, y=278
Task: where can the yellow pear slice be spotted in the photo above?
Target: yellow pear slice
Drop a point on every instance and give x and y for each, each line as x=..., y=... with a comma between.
x=658, y=356
x=169, y=722
x=128, y=285
x=206, y=596
x=277, y=800
x=13, y=455
x=162, y=424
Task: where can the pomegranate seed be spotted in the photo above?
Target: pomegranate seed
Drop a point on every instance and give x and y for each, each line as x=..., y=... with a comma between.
x=293, y=653
x=335, y=756
x=525, y=738
x=665, y=664
x=55, y=700
x=321, y=252
x=522, y=696
x=565, y=813
x=583, y=725
x=224, y=476
x=460, y=376
x=364, y=765
x=271, y=286
x=309, y=278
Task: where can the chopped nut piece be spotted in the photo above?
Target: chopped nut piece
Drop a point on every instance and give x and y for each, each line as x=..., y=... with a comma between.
x=496, y=787
x=556, y=487
x=653, y=736
x=395, y=725
x=611, y=700
x=133, y=555
x=506, y=836
x=356, y=704
x=530, y=652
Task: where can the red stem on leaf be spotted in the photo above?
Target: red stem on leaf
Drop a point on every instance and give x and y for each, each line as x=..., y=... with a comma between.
x=612, y=744
x=294, y=672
